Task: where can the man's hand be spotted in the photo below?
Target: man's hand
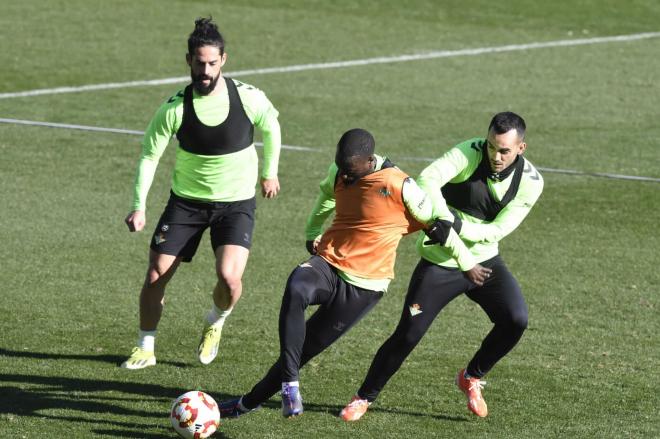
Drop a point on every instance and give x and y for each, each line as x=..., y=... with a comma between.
x=478, y=274
x=438, y=232
x=136, y=220
x=270, y=187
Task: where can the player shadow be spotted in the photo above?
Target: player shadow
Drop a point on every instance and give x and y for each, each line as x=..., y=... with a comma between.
x=138, y=435
x=334, y=410
x=40, y=396
x=130, y=433
x=104, y=358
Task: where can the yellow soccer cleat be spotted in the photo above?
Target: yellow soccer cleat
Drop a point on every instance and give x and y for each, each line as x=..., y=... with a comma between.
x=139, y=359
x=472, y=389
x=208, y=345
x=355, y=409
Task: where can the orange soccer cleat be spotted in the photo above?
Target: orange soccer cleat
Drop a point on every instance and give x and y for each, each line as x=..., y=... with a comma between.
x=472, y=389
x=355, y=409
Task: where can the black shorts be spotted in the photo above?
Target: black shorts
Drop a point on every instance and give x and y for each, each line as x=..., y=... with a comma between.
x=183, y=222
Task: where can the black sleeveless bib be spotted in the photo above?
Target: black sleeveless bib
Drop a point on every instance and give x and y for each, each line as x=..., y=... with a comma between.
x=473, y=197
x=235, y=133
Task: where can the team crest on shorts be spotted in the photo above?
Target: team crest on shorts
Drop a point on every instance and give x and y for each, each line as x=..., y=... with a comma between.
x=415, y=309
x=159, y=239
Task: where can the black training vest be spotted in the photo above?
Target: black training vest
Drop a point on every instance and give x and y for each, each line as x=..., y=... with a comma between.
x=473, y=197
x=233, y=134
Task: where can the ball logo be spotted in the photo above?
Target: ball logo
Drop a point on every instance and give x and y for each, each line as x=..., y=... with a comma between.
x=195, y=415
x=184, y=413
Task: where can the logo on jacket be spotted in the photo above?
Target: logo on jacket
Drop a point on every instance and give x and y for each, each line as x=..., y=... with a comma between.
x=384, y=192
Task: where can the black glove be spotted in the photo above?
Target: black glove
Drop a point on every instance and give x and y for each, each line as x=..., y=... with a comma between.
x=438, y=232
x=310, y=247
x=458, y=222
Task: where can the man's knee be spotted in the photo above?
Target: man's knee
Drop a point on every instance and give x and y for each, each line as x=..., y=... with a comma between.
x=413, y=336
x=161, y=268
x=230, y=265
x=231, y=281
x=298, y=288
x=156, y=275
x=518, y=320
x=407, y=336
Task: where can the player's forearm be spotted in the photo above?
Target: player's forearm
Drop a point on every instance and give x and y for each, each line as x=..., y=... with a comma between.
x=272, y=145
x=460, y=252
x=442, y=233
x=145, y=175
x=504, y=224
x=323, y=208
x=417, y=201
x=432, y=179
x=432, y=189
x=439, y=210
x=486, y=233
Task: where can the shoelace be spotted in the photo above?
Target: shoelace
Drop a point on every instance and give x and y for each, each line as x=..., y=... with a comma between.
x=358, y=402
x=138, y=349
x=478, y=384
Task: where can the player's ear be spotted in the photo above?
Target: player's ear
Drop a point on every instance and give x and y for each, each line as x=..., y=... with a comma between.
x=189, y=59
x=223, y=59
x=523, y=147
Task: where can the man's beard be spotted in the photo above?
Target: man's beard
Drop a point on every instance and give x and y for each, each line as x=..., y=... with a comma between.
x=199, y=85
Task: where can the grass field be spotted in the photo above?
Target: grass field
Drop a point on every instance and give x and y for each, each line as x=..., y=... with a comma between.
x=586, y=257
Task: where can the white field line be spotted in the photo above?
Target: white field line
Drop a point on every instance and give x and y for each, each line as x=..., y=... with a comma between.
x=562, y=171
x=310, y=149
x=350, y=63
x=115, y=131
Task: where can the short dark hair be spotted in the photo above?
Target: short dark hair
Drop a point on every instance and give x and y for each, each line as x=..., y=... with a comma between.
x=206, y=33
x=355, y=142
x=507, y=121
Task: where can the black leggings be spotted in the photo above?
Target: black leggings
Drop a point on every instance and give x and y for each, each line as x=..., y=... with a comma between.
x=431, y=288
x=342, y=305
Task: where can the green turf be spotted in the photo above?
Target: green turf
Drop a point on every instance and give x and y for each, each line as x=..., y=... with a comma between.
x=586, y=257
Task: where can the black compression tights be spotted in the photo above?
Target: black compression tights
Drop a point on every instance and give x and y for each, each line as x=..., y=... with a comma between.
x=431, y=288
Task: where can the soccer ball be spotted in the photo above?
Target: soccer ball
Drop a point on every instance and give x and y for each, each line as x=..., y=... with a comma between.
x=195, y=415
